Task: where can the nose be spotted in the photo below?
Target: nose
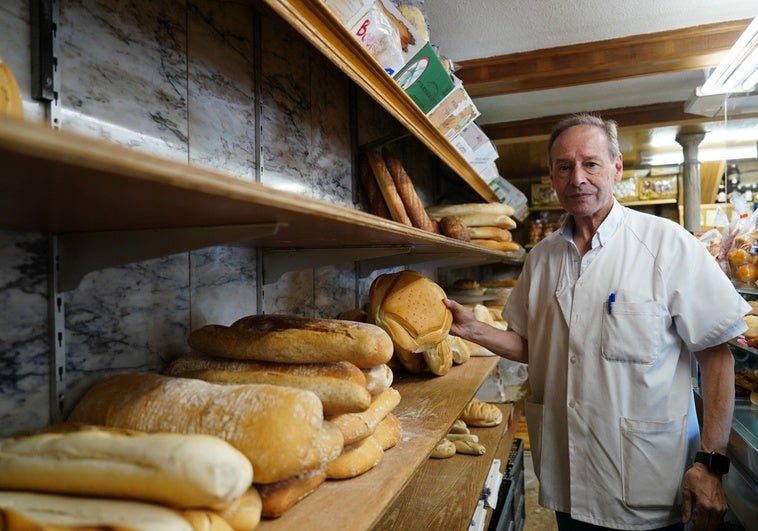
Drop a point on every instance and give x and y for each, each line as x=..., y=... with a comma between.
x=577, y=175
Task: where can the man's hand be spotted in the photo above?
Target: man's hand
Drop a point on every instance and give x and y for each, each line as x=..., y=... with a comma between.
x=703, y=499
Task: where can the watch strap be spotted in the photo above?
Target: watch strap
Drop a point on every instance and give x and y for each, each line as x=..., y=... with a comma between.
x=714, y=461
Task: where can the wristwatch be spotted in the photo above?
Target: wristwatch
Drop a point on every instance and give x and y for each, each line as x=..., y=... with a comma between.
x=716, y=462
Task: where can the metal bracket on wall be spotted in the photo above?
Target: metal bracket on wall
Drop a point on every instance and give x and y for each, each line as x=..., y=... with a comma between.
x=56, y=322
x=44, y=15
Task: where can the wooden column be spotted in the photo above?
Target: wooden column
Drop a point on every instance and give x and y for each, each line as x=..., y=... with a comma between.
x=690, y=140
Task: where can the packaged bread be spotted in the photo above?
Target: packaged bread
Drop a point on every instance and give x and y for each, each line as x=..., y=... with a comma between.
x=180, y=470
x=281, y=430
x=409, y=307
x=340, y=385
x=19, y=509
x=294, y=339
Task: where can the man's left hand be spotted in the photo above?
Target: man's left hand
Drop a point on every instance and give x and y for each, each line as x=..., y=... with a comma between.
x=703, y=499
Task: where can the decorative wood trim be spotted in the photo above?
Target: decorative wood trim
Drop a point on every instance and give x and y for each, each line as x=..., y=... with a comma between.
x=678, y=50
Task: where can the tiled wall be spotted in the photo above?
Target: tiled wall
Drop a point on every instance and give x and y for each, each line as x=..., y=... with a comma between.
x=176, y=79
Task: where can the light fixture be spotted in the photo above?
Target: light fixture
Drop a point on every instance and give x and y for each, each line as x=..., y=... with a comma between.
x=738, y=71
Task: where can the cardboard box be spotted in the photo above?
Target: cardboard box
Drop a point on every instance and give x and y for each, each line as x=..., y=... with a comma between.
x=476, y=147
x=454, y=112
x=425, y=79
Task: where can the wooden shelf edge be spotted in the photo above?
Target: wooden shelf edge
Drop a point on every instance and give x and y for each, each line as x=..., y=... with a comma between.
x=313, y=20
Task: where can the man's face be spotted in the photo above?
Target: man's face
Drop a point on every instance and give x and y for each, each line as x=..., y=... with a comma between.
x=582, y=172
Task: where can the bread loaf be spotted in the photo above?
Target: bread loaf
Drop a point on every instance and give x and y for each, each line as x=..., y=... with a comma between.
x=388, y=432
x=488, y=220
x=293, y=339
x=409, y=307
x=439, y=358
x=181, y=470
x=454, y=227
x=504, y=246
x=459, y=426
x=358, y=426
x=445, y=448
x=490, y=233
x=462, y=209
x=244, y=513
x=10, y=95
x=341, y=386
x=378, y=378
x=412, y=362
x=204, y=520
x=463, y=446
x=377, y=205
x=356, y=459
x=81, y=512
x=278, y=497
x=481, y=414
x=281, y=430
x=405, y=189
x=459, y=348
x=387, y=187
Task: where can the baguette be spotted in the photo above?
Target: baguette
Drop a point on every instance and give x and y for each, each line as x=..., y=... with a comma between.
x=488, y=220
x=388, y=188
x=461, y=351
x=173, y=469
x=293, y=339
x=506, y=247
x=337, y=394
x=463, y=446
x=445, y=448
x=205, y=520
x=375, y=199
x=462, y=437
x=378, y=378
x=462, y=209
x=79, y=512
x=454, y=227
x=244, y=513
x=388, y=432
x=489, y=233
x=405, y=189
x=281, y=430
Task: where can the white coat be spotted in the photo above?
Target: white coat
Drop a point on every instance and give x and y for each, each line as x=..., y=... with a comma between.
x=611, y=416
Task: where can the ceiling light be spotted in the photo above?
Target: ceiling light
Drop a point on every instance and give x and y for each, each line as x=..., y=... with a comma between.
x=737, y=71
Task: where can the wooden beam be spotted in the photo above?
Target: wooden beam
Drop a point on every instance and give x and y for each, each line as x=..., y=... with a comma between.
x=677, y=50
x=657, y=114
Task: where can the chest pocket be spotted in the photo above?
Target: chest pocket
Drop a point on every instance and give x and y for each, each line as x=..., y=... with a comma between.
x=633, y=332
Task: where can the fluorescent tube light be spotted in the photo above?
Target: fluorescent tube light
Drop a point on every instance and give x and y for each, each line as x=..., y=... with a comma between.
x=737, y=72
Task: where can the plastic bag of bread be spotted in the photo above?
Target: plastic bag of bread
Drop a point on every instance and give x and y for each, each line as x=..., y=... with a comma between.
x=742, y=252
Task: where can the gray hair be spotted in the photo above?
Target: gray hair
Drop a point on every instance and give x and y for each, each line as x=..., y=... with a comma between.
x=609, y=127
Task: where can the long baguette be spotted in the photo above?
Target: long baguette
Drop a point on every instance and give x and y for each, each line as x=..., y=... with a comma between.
x=506, y=247
x=346, y=394
x=490, y=233
x=358, y=426
x=461, y=209
x=388, y=188
x=502, y=221
x=280, y=496
x=356, y=459
x=374, y=195
x=407, y=192
x=280, y=429
x=181, y=470
x=293, y=339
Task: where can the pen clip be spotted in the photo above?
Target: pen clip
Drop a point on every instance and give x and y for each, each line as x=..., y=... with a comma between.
x=611, y=300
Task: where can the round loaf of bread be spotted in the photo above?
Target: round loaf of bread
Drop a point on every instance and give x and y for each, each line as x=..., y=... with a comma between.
x=409, y=307
x=439, y=358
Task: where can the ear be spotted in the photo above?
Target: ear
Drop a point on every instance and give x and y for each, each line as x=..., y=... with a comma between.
x=618, y=168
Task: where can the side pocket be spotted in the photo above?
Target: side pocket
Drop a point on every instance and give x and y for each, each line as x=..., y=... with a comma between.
x=533, y=412
x=653, y=458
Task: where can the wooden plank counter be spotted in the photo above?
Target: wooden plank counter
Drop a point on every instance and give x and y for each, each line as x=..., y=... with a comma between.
x=428, y=407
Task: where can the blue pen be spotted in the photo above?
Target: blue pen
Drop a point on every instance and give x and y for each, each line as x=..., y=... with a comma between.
x=611, y=300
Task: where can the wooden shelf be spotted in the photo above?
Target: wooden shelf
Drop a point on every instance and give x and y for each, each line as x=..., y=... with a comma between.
x=427, y=409
x=74, y=186
x=321, y=28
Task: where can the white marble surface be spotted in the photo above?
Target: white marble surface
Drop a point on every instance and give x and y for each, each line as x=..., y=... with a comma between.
x=178, y=80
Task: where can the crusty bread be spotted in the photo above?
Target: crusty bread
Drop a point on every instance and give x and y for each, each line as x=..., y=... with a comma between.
x=412, y=362
x=376, y=202
x=10, y=95
x=205, y=520
x=463, y=209
x=445, y=448
x=79, y=512
x=278, y=497
x=341, y=386
x=488, y=220
x=407, y=192
x=490, y=233
x=244, y=513
x=454, y=227
x=409, y=307
x=439, y=358
x=481, y=414
x=356, y=459
x=463, y=446
x=11, y=520
x=181, y=470
x=387, y=187
x=294, y=339
x=506, y=247
x=378, y=378
x=280, y=429
x=460, y=349
x=358, y=426
x=388, y=432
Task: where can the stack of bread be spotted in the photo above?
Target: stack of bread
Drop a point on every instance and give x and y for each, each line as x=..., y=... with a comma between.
x=486, y=224
x=285, y=391
x=390, y=191
x=82, y=476
x=409, y=307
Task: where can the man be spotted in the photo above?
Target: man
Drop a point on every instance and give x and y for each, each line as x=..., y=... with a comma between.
x=606, y=313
